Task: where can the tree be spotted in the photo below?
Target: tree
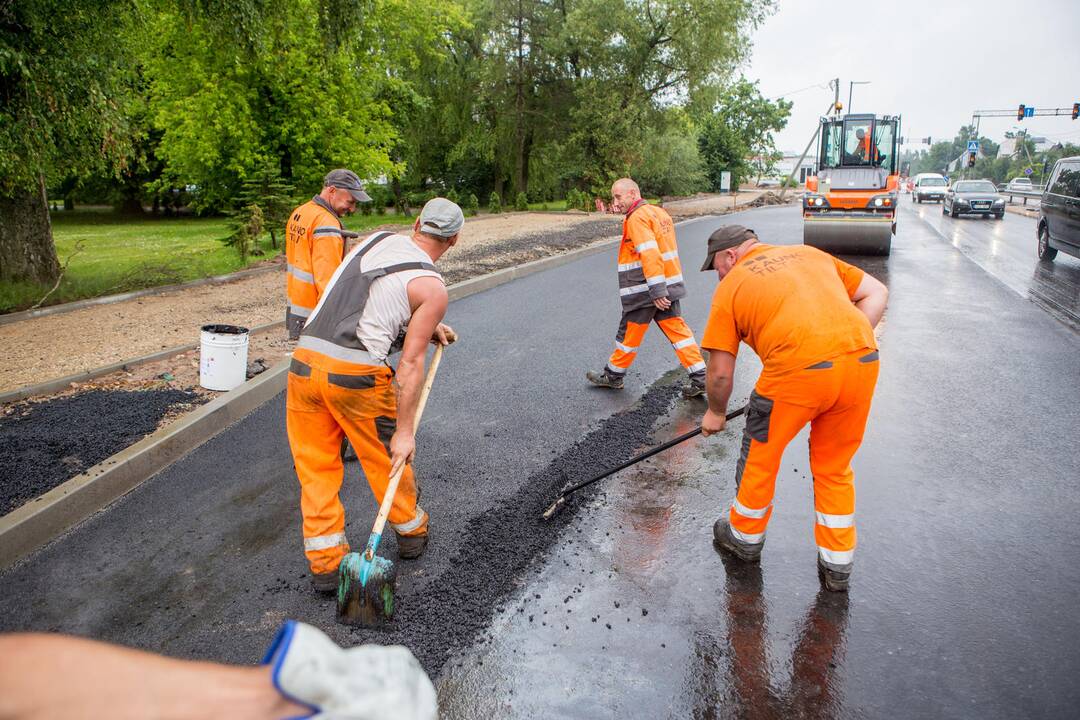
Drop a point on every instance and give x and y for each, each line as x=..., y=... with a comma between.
x=63, y=84
x=740, y=127
x=274, y=197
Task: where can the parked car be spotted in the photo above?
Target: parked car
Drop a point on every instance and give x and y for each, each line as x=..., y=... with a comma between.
x=929, y=186
x=769, y=182
x=1059, y=211
x=973, y=197
x=1020, y=183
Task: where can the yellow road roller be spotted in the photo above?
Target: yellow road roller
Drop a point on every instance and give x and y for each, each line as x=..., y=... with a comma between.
x=850, y=205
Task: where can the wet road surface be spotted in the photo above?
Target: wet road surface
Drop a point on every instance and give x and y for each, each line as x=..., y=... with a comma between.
x=1006, y=249
x=962, y=602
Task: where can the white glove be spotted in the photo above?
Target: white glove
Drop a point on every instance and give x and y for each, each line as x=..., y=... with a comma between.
x=367, y=682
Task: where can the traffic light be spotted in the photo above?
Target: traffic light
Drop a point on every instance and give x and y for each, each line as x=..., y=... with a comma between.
x=927, y=141
x=971, y=159
x=1020, y=112
x=1076, y=110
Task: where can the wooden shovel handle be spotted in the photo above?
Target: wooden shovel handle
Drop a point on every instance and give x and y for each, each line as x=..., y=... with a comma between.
x=391, y=487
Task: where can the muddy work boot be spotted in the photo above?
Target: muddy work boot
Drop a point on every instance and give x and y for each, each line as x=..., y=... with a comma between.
x=833, y=580
x=724, y=540
x=694, y=388
x=605, y=379
x=325, y=583
x=411, y=547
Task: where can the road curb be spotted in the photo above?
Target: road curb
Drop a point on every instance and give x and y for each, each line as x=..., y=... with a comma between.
x=38, y=522
x=15, y=317
x=52, y=386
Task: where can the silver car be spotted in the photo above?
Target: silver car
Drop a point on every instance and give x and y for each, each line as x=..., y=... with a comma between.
x=973, y=197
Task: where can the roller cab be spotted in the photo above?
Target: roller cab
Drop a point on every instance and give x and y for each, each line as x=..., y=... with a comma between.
x=850, y=205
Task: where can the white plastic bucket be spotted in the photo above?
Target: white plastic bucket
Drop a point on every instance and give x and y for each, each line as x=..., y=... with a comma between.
x=223, y=357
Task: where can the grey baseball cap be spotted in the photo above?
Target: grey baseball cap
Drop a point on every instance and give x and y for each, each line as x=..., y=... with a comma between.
x=441, y=218
x=347, y=180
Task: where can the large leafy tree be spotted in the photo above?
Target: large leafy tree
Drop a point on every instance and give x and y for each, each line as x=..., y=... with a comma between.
x=64, y=85
x=740, y=127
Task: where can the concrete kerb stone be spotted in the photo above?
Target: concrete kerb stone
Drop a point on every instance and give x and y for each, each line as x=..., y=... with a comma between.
x=33, y=525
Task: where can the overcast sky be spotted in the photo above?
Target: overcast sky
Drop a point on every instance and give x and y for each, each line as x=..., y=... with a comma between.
x=932, y=62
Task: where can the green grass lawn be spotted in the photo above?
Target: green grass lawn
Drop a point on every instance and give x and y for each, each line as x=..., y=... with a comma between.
x=121, y=254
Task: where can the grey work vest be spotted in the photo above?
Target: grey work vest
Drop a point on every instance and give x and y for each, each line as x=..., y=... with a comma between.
x=331, y=330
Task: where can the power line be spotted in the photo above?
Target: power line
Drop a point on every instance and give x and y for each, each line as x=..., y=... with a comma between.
x=822, y=86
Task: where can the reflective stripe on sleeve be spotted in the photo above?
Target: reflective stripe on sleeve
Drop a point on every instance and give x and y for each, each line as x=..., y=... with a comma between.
x=624, y=267
x=301, y=274
x=673, y=255
x=836, y=557
x=750, y=512
x=650, y=245
x=413, y=524
x=326, y=231
x=836, y=521
x=696, y=367
x=633, y=289
x=655, y=279
x=299, y=310
x=325, y=542
x=674, y=279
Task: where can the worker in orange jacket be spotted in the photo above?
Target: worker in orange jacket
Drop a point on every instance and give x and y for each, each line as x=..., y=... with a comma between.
x=386, y=296
x=650, y=286
x=315, y=245
x=810, y=318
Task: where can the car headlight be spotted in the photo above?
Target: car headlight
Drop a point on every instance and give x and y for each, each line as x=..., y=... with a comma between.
x=999, y=201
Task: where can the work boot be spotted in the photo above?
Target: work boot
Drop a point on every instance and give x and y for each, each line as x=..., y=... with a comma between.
x=694, y=388
x=410, y=547
x=605, y=379
x=833, y=580
x=724, y=540
x=325, y=583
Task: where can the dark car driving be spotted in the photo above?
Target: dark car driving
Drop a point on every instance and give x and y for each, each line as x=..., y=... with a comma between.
x=1059, y=211
x=973, y=197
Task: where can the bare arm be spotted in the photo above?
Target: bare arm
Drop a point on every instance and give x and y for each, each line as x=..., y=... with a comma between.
x=871, y=297
x=48, y=676
x=429, y=301
x=719, y=378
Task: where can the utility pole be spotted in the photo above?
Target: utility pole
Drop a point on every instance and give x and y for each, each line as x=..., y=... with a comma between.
x=851, y=87
x=833, y=107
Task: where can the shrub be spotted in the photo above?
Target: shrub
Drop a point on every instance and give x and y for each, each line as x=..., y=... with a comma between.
x=521, y=202
x=495, y=203
x=452, y=196
x=472, y=205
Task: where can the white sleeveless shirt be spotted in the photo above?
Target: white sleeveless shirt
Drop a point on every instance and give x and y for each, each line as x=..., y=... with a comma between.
x=388, y=310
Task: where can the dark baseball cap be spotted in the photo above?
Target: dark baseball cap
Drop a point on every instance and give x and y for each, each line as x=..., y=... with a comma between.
x=347, y=180
x=723, y=238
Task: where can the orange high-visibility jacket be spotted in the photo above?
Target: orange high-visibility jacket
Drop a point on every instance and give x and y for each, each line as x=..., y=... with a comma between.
x=314, y=247
x=648, y=258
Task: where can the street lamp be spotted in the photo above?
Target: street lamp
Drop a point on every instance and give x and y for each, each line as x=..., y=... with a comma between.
x=851, y=87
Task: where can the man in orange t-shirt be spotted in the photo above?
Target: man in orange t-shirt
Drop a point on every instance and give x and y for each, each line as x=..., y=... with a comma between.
x=810, y=318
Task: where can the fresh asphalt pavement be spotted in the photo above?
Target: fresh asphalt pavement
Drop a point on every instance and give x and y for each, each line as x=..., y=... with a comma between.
x=962, y=600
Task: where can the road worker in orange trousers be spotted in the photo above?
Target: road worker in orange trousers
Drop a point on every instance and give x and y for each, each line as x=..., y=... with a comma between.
x=385, y=296
x=314, y=244
x=650, y=286
x=810, y=318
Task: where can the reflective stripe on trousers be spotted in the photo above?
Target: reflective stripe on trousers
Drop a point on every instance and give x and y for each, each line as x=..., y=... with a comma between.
x=835, y=399
x=632, y=331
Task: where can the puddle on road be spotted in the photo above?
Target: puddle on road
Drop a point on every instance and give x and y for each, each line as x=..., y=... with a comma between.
x=632, y=614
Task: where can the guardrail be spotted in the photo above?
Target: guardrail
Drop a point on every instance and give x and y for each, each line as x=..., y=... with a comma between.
x=1025, y=194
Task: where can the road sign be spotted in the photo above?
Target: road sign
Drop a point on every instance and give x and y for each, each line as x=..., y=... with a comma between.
x=1028, y=171
x=1029, y=112
x=725, y=181
x=973, y=146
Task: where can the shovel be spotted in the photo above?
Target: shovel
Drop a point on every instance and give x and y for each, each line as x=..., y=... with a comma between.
x=561, y=500
x=366, y=581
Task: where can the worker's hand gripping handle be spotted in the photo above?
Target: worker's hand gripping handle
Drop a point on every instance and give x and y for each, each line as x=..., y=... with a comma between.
x=391, y=487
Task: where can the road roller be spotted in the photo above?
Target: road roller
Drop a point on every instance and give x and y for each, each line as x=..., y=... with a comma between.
x=850, y=205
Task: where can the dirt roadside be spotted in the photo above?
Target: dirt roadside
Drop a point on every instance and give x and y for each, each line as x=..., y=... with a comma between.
x=41, y=349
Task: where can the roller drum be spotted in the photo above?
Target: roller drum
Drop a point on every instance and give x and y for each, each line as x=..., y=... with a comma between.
x=849, y=237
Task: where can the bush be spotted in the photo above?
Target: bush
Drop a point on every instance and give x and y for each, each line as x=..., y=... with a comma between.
x=472, y=205
x=521, y=202
x=452, y=196
x=572, y=199
x=495, y=203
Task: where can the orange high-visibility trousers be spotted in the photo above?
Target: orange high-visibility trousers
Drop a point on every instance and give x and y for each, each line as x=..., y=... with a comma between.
x=321, y=408
x=632, y=330
x=834, y=397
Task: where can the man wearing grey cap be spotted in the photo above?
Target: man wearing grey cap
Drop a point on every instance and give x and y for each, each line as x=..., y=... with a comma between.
x=385, y=296
x=314, y=244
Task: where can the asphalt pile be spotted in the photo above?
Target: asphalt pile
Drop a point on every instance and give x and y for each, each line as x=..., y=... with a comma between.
x=502, y=542
x=44, y=444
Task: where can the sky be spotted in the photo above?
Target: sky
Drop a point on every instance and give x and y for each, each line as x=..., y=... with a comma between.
x=932, y=62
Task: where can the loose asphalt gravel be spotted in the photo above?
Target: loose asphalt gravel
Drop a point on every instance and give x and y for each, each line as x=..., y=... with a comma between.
x=44, y=444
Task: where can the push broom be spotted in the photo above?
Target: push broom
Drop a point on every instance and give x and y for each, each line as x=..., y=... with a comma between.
x=366, y=581
x=561, y=500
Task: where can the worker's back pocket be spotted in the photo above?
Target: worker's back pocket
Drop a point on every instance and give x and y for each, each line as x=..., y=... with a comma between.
x=758, y=413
